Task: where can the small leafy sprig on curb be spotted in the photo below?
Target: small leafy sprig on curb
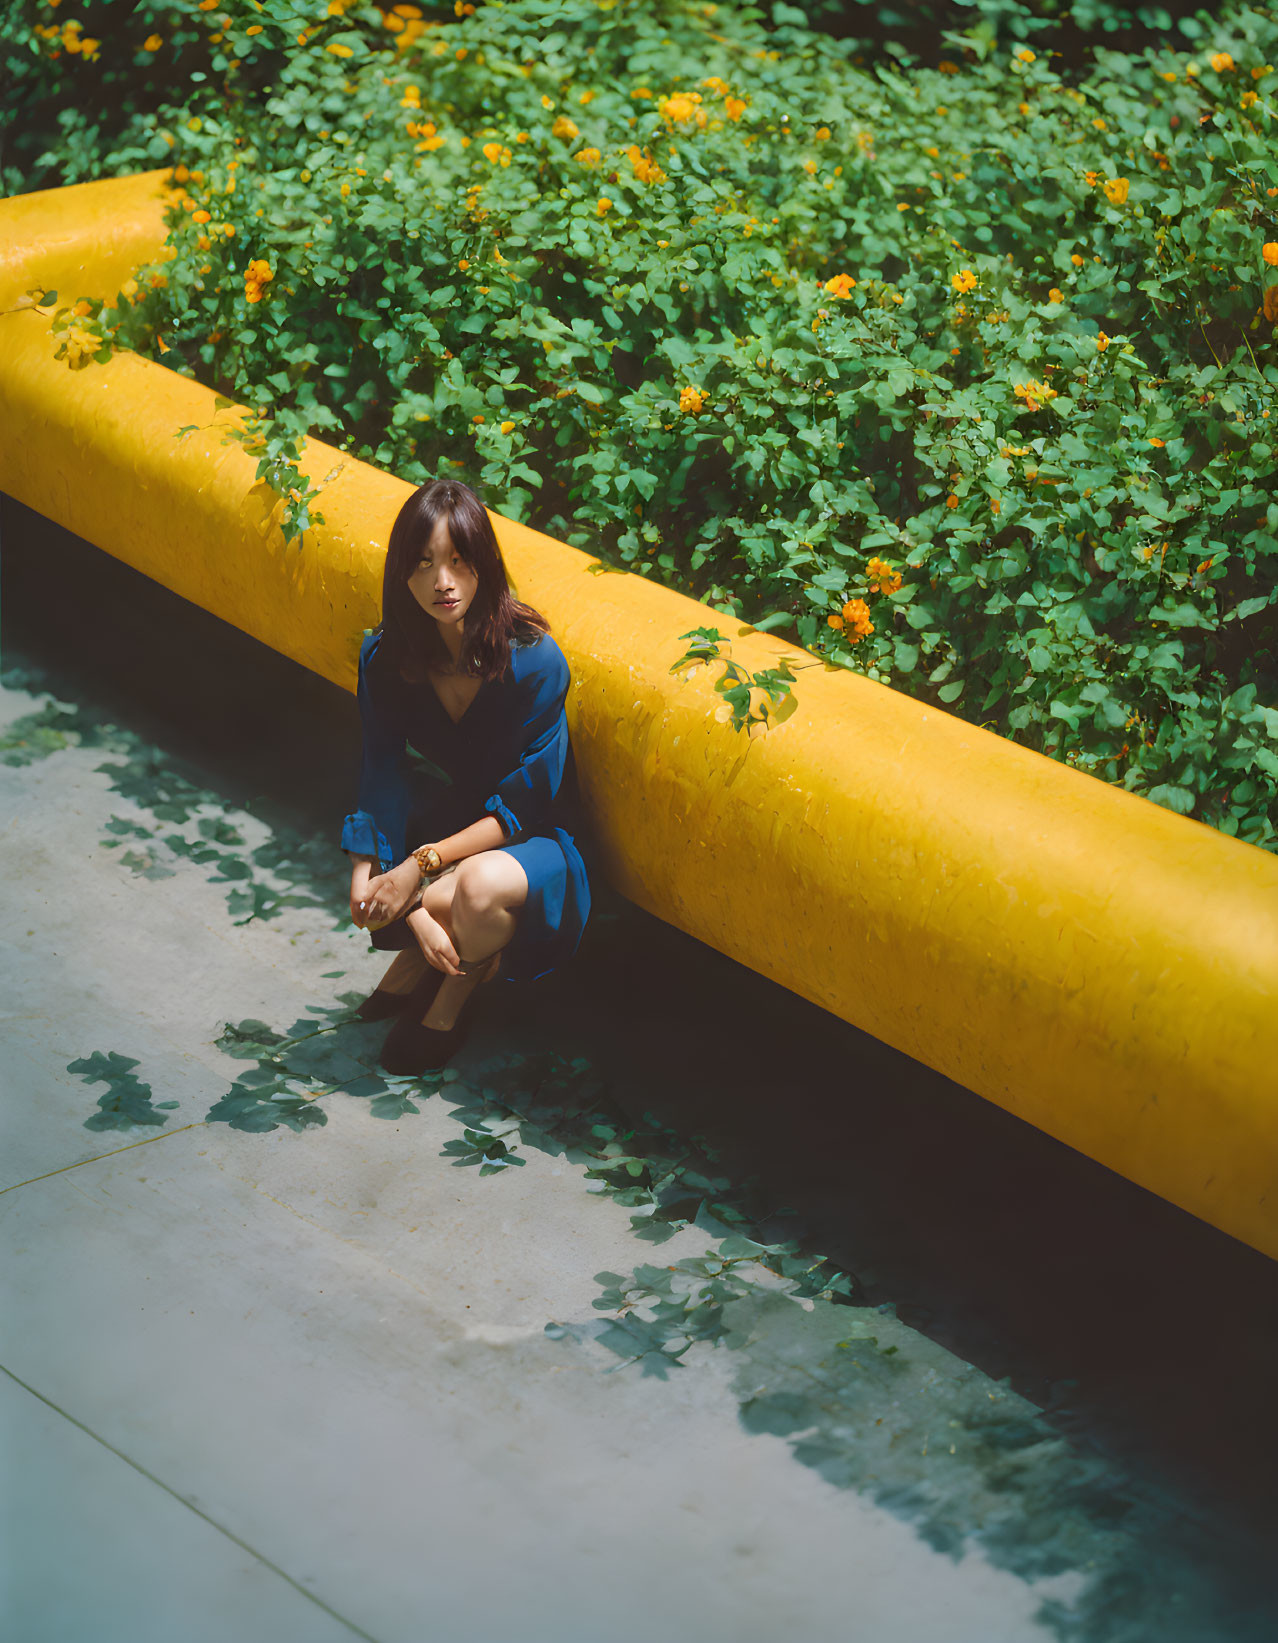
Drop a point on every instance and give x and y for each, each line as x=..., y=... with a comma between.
x=735, y=683
x=278, y=449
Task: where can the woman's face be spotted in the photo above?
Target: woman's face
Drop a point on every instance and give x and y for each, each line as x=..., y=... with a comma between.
x=443, y=583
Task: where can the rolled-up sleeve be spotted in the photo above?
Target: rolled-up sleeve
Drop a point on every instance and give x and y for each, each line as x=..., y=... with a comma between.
x=523, y=798
x=381, y=799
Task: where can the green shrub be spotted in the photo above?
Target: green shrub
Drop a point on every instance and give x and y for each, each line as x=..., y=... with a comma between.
x=962, y=377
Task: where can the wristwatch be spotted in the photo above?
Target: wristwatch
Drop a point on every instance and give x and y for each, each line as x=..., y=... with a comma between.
x=428, y=861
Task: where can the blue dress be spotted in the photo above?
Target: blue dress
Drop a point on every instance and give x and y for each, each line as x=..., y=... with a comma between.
x=422, y=778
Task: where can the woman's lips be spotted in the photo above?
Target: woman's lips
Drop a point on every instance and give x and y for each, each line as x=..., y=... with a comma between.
x=447, y=603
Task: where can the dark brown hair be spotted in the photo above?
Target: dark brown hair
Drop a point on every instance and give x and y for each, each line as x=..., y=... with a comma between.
x=410, y=635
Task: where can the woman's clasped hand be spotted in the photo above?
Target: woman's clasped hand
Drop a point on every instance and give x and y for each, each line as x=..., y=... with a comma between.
x=377, y=898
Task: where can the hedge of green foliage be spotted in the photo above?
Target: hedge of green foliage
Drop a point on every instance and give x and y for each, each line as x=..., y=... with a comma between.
x=962, y=375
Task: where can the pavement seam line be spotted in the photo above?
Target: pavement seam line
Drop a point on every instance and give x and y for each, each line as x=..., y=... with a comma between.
x=146, y=1141
x=212, y=1522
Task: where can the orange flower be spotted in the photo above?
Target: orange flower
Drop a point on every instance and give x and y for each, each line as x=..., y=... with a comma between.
x=883, y=578
x=1077, y=260
x=1221, y=61
x=965, y=280
x=1055, y=295
x=857, y=614
x=1271, y=303
x=1102, y=342
x=1116, y=190
x=1269, y=251
x=840, y=286
x=1158, y=442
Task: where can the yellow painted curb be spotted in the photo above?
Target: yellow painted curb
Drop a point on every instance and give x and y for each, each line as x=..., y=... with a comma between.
x=1093, y=963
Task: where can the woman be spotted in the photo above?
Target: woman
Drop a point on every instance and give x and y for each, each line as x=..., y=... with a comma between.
x=464, y=845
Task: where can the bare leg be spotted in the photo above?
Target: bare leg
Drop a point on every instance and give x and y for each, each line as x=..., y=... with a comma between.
x=455, y=989
x=484, y=917
x=410, y=965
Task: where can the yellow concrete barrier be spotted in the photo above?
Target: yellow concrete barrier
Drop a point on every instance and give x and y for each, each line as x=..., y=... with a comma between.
x=1097, y=965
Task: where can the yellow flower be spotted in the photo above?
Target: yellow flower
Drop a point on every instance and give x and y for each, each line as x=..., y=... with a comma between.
x=965, y=280
x=507, y=427
x=734, y=108
x=337, y=49
x=199, y=216
x=840, y=286
x=496, y=154
x=253, y=28
x=603, y=206
x=692, y=400
x=153, y=42
x=682, y=109
x=564, y=127
x=1102, y=342
x=587, y=156
x=79, y=346
x=1077, y=260
x=1035, y=394
x=1221, y=61
x=1055, y=295
x=645, y=167
x=1116, y=190
x=1269, y=251
x=1024, y=55
x=1247, y=99
x=257, y=275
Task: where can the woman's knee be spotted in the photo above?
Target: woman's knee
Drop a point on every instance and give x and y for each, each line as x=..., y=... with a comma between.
x=493, y=879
